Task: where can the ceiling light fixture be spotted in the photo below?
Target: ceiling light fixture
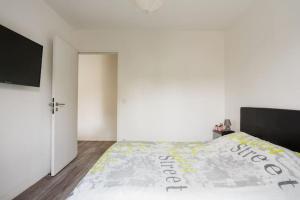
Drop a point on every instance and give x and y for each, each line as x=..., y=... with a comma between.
x=149, y=6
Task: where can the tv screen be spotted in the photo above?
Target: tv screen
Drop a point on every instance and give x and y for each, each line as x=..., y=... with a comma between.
x=20, y=59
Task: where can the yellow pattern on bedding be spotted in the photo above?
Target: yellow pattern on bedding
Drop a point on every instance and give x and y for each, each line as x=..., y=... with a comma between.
x=243, y=138
x=230, y=166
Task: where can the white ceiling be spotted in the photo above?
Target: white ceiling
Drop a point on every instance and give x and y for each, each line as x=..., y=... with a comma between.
x=175, y=14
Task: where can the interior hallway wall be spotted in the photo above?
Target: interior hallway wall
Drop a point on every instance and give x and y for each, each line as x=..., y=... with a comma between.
x=97, y=97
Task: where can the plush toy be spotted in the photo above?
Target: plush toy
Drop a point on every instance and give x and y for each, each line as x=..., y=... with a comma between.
x=219, y=127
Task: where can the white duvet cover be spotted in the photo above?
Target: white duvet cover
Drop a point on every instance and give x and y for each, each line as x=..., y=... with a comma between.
x=233, y=167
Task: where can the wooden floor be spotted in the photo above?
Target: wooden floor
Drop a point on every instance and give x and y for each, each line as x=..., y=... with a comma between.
x=59, y=187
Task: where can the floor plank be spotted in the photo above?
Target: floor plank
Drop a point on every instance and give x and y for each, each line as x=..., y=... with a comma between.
x=60, y=186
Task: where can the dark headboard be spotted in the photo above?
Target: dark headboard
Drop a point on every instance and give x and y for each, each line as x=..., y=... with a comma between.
x=281, y=127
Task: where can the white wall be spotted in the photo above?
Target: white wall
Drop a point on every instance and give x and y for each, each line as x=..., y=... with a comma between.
x=170, y=83
x=97, y=97
x=263, y=58
x=24, y=111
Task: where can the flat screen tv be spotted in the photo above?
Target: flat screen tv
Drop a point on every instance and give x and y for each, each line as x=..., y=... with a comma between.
x=20, y=59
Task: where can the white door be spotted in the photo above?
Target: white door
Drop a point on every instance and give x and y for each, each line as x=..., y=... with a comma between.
x=64, y=105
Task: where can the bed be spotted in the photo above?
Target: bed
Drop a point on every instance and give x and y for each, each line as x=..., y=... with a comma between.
x=237, y=166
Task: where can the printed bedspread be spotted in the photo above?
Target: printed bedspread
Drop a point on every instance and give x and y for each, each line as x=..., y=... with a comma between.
x=233, y=167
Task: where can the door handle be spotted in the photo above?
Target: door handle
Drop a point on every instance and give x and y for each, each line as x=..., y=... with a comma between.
x=51, y=104
x=59, y=104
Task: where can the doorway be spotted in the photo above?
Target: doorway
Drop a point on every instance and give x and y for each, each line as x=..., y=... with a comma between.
x=97, y=96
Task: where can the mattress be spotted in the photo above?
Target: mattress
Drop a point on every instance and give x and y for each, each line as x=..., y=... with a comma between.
x=236, y=166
